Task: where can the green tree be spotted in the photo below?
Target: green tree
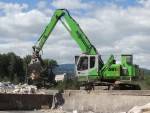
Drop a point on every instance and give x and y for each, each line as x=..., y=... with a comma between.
x=68, y=84
x=15, y=66
x=3, y=66
x=51, y=65
x=27, y=59
x=19, y=70
x=26, y=62
x=11, y=65
x=141, y=75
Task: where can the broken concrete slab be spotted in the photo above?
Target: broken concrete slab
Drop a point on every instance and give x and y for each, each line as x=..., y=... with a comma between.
x=140, y=109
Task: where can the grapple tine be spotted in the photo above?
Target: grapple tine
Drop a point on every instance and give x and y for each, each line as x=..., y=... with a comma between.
x=35, y=68
x=36, y=65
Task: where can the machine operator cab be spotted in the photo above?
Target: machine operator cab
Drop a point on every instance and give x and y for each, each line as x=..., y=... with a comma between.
x=86, y=67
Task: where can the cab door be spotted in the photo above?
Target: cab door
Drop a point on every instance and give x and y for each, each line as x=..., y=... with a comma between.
x=93, y=65
x=82, y=66
x=86, y=67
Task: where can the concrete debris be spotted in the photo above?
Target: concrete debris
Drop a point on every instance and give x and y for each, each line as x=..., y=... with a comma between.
x=8, y=87
x=25, y=89
x=75, y=111
x=35, y=74
x=140, y=109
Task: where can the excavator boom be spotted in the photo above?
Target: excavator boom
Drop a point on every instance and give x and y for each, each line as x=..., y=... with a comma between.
x=75, y=31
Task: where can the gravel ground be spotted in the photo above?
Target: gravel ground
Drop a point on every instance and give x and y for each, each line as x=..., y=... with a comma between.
x=44, y=111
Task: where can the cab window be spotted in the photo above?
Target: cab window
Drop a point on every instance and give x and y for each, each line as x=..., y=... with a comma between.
x=83, y=63
x=92, y=62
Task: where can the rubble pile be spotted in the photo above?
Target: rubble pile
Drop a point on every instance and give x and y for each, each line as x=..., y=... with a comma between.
x=25, y=89
x=8, y=87
x=140, y=109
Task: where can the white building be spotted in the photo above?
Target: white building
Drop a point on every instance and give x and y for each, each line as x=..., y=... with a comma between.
x=61, y=77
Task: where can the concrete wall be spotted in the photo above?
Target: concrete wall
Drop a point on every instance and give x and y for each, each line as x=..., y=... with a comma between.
x=104, y=101
x=24, y=101
x=98, y=101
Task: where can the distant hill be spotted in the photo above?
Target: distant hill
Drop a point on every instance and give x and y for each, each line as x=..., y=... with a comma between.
x=146, y=70
x=69, y=68
x=64, y=68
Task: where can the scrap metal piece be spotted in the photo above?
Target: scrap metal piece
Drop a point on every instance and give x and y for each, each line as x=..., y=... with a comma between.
x=36, y=66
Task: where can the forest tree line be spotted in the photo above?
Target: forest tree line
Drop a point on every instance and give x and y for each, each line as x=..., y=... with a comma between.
x=15, y=69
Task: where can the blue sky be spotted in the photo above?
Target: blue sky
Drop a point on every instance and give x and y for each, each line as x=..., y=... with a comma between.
x=113, y=27
x=32, y=3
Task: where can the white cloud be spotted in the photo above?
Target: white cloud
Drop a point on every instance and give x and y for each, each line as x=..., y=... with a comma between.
x=117, y=30
x=23, y=25
x=71, y=4
x=111, y=29
x=9, y=8
x=20, y=48
x=145, y=3
x=48, y=12
x=41, y=4
x=43, y=8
